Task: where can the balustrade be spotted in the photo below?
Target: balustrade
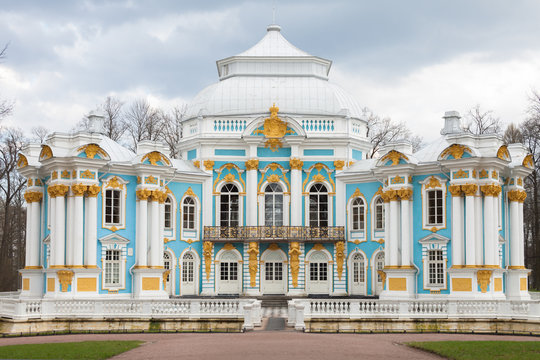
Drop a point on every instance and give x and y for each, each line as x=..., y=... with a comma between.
x=274, y=233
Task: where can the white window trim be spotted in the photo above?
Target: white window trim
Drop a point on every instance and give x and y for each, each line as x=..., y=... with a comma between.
x=217, y=269
x=286, y=202
x=114, y=242
x=351, y=269
x=442, y=187
x=185, y=234
x=434, y=242
x=329, y=274
x=123, y=194
x=376, y=235
x=361, y=234
x=170, y=234
x=241, y=195
x=330, y=202
x=172, y=274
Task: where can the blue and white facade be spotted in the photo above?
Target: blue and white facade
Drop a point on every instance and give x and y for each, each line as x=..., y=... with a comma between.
x=274, y=195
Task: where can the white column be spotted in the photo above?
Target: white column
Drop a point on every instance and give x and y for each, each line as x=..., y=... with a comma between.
x=457, y=228
x=521, y=243
x=60, y=225
x=406, y=242
x=489, y=241
x=340, y=203
x=154, y=232
x=78, y=228
x=52, y=226
x=470, y=223
x=161, y=228
x=394, y=232
x=70, y=219
x=207, y=203
x=90, y=243
x=142, y=232
x=251, y=167
x=35, y=243
x=515, y=229
x=29, y=230
x=478, y=219
x=296, y=192
x=387, y=227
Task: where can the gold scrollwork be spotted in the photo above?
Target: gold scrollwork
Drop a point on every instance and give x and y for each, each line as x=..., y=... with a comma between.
x=296, y=164
x=64, y=278
x=208, y=164
x=207, y=253
x=483, y=277
x=339, y=164
x=433, y=183
x=294, y=254
x=253, y=251
x=91, y=150
x=455, y=150
x=252, y=164
x=517, y=195
x=155, y=156
x=394, y=156
x=340, y=256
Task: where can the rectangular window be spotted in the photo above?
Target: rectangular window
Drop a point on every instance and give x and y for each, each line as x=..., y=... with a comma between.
x=379, y=216
x=187, y=272
x=112, y=207
x=323, y=271
x=313, y=276
x=224, y=271
x=112, y=267
x=435, y=268
x=168, y=215
x=269, y=271
x=278, y=271
x=435, y=207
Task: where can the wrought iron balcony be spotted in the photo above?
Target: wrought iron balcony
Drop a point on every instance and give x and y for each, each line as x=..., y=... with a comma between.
x=274, y=233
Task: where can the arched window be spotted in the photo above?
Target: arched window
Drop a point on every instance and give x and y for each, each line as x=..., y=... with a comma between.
x=188, y=208
x=318, y=206
x=435, y=207
x=187, y=267
x=168, y=214
x=379, y=215
x=273, y=205
x=379, y=265
x=358, y=214
x=359, y=272
x=229, y=205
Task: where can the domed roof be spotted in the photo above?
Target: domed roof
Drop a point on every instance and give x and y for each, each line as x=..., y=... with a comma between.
x=273, y=71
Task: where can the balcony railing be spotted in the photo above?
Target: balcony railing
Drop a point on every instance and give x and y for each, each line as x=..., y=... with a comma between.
x=274, y=233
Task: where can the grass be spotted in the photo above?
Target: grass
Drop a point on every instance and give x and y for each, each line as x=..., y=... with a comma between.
x=480, y=350
x=74, y=350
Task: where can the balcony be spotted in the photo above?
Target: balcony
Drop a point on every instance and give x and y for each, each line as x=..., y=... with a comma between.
x=273, y=233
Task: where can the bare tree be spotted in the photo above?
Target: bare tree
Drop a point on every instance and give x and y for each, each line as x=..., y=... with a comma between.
x=172, y=129
x=40, y=134
x=6, y=106
x=142, y=123
x=12, y=219
x=381, y=131
x=482, y=122
x=512, y=134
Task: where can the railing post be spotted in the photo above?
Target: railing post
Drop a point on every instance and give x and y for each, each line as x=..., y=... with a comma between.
x=452, y=309
x=403, y=309
x=195, y=308
x=99, y=311
x=257, y=316
x=248, y=323
x=291, y=310
x=300, y=324
x=354, y=308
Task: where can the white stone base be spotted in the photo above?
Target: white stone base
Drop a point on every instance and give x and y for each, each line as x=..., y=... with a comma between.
x=86, y=283
x=516, y=288
x=399, y=284
x=464, y=284
x=32, y=283
x=148, y=283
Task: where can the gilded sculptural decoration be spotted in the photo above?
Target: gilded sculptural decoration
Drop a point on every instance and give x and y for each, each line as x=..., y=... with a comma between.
x=455, y=190
x=79, y=189
x=469, y=189
x=65, y=175
x=46, y=153
x=93, y=190
x=394, y=156
x=197, y=164
x=54, y=175
x=296, y=164
x=22, y=161
x=461, y=174
x=491, y=190
x=150, y=180
x=503, y=153
x=252, y=164
x=91, y=150
x=274, y=129
x=382, y=274
x=253, y=251
x=165, y=276
x=294, y=258
x=455, y=150
x=143, y=194
x=483, y=174
x=528, y=162
x=405, y=194
x=115, y=183
x=397, y=180
x=208, y=164
x=339, y=164
x=154, y=157
x=87, y=174
x=433, y=183
x=33, y=196
x=207, y=253
x=517, y=195
x=57, y=190
x=64, y=278
x=340, y=256
x=483, y=277
x=273, y=178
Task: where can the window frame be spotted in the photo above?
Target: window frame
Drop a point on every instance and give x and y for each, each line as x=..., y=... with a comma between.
x=114, y=183
x=434, y=242
x=218, y=202
x=273, y=195
x=109, y=268
x=318, y=194
x=192, y=208
x=429, y=184
x=114, y=242
x=190, y=234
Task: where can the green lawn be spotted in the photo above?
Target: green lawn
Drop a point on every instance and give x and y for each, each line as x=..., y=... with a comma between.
x=73, y=350
x=479, y=350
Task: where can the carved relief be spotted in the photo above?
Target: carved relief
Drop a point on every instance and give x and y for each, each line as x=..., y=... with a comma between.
x=208, y=164
x=339, y=164
x=455, y=190
x=252, y=164
x=296, y=164
x=207, y=253
x=78, y=189
x=155, y=156
x=517, y=195
x=294, y=253
x=253, y=251
x=65, y=277
x=340, y=256
x=91, y=150
x=394, y=156
x=469, y=189
x=483, y=277
x=93, y=190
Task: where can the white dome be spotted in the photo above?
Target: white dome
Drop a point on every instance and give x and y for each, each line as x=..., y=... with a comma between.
x=273, y=71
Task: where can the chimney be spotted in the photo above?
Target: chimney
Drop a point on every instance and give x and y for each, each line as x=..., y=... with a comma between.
x=95, y=122
x=452, y=123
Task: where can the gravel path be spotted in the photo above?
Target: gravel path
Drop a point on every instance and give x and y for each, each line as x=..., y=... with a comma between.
x=270, y=345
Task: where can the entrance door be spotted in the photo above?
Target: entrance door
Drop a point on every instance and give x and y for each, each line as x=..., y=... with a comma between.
x=229, y=279
x=168, y=280
x=379, y=266
x=188, y=274
x=358, y=276
x=318, y=273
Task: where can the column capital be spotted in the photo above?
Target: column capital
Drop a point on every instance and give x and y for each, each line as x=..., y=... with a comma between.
x=79, y=189
x=469, y=189
x=389, y=195
x=455, y=190
x=143, y=194
x=252, y=164
x=93, y=190
x=33, y=196
x=517, y=195
x=405, y=194
x=491, y=190
x=296, y=164
x=208, y=164
x=339, y=164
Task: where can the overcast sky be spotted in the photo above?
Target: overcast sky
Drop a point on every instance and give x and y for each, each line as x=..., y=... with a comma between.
x=409, y=60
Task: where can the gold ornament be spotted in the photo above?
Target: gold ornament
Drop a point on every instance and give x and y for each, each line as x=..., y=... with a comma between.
x=460, y=174
x=273, y=178
x=253, y=251
x=456, y=151
x=294, y=253
x=455, y=190
x=528, y=162
x=54, y=175
x=397, y=180
x=207, y=253
x=78, y=189
x=155, y=156
x=252, y=164
x=91, y=150
x=339, y=164
x=517, y=195
x=483, y=174
x=208, y=164
x=165, y=275
x=296, y=164
x=340, y=256
x=394, y=156
x=382, y=274
x=65, y=277
x=87, y=174
x=143, y=194
x=22, y=162
x=491, y=190
x=405, y=194
x=197, y=164
x=150, y=180
x=229, y=178
x=318, y=178
x=433, y=183
x=469, y=189
x=93, y=190
x=46, y=153
x=115, y=183
x=503, y=153
x=483, y=277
